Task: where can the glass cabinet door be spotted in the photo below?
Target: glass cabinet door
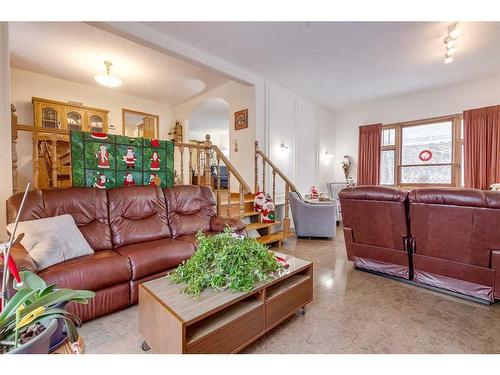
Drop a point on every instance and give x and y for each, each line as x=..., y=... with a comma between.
x=96, y=123
x=74, y=121
x=50, y=118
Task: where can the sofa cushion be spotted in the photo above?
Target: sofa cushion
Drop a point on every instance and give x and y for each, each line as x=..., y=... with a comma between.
x=52, y=240
x=87, y=206
x=190, y=209
x=137, y=214
x=147, y=258
x=97, y=271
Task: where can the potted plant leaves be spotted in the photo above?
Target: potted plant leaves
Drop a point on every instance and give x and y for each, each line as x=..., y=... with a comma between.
x=33, y=314
x=226, y=261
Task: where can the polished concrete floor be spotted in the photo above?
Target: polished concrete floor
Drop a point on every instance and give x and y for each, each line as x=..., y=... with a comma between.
x=352, y=312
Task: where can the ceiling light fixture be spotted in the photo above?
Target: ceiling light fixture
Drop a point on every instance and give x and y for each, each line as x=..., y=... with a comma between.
x=450, y=41
x=107, y=79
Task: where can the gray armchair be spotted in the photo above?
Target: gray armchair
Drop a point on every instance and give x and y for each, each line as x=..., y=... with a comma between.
x=313, y=219
x=333, y=191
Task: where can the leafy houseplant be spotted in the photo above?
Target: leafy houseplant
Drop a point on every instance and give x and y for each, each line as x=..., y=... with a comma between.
x=36, y=302
x=226, y=261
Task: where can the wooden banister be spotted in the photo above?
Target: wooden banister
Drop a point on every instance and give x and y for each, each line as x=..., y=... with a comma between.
x=289, y=186
x=274, y=167
x=206, y=153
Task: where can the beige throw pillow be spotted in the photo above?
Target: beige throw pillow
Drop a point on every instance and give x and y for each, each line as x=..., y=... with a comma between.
x=52, y=240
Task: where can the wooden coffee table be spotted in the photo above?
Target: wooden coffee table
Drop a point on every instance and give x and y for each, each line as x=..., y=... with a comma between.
x=174, y=322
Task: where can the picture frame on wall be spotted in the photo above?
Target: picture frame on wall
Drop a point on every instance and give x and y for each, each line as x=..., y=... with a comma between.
x=241, y=119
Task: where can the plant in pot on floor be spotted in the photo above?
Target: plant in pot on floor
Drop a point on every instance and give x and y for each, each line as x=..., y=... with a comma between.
x=33, y=314
x=227, y=261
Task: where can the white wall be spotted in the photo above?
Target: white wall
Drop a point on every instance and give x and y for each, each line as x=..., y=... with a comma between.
x=446, y=101
x=307, y=129
x=5, y=128
x=25, y=85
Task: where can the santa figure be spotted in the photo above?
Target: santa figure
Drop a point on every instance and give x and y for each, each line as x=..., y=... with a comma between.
x=259, y=200
x=129, y=158
x=155, y=161
x=268, y=211
x=314, y=192
x=100, y=181
x=102, y=157
x=129, y=180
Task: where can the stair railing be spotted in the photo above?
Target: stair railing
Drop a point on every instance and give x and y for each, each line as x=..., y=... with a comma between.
x=206, y=156
x=289, y=186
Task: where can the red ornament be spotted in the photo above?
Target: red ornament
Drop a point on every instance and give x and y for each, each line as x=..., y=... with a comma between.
x=425, y=155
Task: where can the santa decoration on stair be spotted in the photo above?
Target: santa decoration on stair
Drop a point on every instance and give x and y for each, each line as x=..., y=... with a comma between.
x=258, y=202
x=155, y=161
x=129, y=158
x=102, y=157
x=314, y=192
x=128, y=180
x=268, y=215
x=100, y=181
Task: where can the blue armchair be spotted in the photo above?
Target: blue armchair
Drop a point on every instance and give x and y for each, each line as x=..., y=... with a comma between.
x=313, y=219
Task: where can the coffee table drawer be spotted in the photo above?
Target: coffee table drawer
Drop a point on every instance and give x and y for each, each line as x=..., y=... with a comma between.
x=232, y=336
x=288, y=299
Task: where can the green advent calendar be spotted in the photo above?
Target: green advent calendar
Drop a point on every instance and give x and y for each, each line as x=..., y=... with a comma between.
x=106, y=160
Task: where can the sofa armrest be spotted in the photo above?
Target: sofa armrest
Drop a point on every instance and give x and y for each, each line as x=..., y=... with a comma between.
x=23, y=262
x=22, y=259
x=219, y=223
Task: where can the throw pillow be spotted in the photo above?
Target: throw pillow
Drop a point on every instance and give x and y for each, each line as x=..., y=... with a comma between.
x=52, y=240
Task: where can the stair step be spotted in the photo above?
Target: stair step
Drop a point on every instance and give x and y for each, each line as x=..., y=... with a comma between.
x=250, y=213
x=259, y=225
x=235, y=201
x=271, y=238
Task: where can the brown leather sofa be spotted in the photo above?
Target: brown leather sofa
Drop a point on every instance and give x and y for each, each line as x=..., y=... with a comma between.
x=376, y=229
x=456, y=240
x=450, y=237
x=137, y=233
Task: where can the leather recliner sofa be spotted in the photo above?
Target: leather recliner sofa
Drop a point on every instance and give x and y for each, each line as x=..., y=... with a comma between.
x=449, y=236
x=137, y=233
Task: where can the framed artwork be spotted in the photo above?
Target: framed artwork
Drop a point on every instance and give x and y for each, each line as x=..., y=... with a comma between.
x=106, y=161
x=241, y=119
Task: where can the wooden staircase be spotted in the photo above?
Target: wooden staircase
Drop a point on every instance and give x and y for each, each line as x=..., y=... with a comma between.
x=265, y=233
x=204, y=157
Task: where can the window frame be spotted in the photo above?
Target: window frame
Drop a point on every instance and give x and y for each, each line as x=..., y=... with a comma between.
x=457, y=142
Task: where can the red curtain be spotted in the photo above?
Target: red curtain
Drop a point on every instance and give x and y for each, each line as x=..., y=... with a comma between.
x=482, y=147
x=369, y=154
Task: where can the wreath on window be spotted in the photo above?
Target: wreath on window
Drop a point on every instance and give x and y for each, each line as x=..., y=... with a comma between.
x=425, y=155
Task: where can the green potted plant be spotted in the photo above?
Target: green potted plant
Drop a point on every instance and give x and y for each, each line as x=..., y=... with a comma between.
x=226, y=261
x=31, y=316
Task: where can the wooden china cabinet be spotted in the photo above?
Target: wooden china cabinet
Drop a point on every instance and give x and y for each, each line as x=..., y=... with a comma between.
x=53, y=121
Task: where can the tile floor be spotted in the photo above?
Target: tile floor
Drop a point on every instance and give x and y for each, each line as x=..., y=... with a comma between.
x=352, y=312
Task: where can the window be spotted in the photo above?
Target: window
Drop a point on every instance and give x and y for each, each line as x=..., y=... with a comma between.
x=422, y=153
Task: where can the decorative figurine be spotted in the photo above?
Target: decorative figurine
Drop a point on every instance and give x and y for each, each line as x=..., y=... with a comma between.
x=259, y=201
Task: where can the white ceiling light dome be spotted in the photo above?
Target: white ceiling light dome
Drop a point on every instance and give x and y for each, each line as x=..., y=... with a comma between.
x=107, y=79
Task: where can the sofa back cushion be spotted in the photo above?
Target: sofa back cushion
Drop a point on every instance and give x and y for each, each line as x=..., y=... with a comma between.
x=189, y=209
x=459, y=225
x=137, y=214
x=87, y=206
x=377, y=215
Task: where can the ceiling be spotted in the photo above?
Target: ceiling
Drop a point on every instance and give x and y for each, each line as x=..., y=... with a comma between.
x=342, y=64
x=210, y=117
x=76, y=51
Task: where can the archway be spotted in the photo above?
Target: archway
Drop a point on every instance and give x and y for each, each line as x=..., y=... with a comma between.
x=211, y=116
